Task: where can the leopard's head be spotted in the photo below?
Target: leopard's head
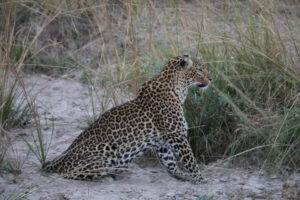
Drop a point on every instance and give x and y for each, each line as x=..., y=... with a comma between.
x=191, y=71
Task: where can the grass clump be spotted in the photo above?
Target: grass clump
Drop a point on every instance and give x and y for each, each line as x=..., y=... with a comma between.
x=15, y=111
x=253, y=102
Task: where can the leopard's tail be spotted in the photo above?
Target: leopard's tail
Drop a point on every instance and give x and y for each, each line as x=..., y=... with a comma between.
x=47, y=167
x=54, y=165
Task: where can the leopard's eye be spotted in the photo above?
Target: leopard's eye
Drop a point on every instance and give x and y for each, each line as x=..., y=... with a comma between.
x=200, y=69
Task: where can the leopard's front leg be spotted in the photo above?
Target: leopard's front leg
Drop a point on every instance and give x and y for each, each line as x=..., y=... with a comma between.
x=184, y=153
x=168, y=159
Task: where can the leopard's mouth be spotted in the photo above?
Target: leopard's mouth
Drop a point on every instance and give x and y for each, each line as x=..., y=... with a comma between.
x=201, y=85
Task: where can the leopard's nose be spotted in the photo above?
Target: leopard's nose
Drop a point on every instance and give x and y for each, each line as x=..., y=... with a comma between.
x=210, y=79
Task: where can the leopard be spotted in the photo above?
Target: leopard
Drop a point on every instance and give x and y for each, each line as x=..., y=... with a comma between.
x=153, y=120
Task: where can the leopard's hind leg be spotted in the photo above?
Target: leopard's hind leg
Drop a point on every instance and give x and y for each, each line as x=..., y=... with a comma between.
x=93, y=169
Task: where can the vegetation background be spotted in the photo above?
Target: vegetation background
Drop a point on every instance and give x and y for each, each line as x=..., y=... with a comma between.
x=251, y=112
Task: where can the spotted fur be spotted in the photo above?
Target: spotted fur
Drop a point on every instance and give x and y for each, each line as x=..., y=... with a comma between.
x=153, y=120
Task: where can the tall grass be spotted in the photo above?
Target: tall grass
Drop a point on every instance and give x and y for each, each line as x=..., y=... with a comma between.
x=14, y=108
x=17, y=108
x=253, y=102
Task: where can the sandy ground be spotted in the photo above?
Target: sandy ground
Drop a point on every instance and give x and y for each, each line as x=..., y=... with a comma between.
x=67, y=103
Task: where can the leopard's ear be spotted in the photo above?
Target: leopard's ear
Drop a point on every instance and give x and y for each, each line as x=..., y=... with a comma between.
x=186, y=61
